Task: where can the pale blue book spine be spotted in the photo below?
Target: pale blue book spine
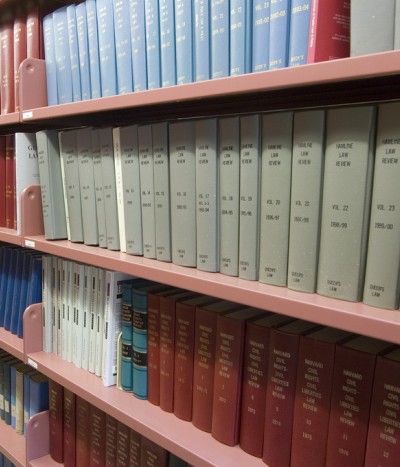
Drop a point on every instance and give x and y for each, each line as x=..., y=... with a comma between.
x=62, y=54
x=139, y=343
x=184, y=41
x=138, y=38
x=260, y=34
x=167, y=43
x=105, y=26
x=220, y=17
x=240, y=40
x=74, y=53
x=83, y=48
x=93, y=43
x=123, y=46
x=152, y=19
x=279, y=34
x=13, y=395
x=202, y=57
x=299, y=32
x=50, y=60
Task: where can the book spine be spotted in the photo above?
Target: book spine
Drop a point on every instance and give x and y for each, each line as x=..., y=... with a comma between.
x=123, y=51
x=101, y=289
x=138, y=38
x=202, y=49
x=220, y=41
x=87, y=291
x=34, y=33
x=135, y=440
x=240, y=36
x=93, y=46
x=10, y=181
x=93, y=312
x=56, y=420
x=119, y=187
x=3, y=181
x=74, y=53
x=7, y=66
x=83, y=50
x=123, y=445
x=111, y=440
x=167, y=43
x=152, y=44
x=260, y=43
x=20, y=44
x=69, y=432
x=62, y=56
x=279, y=34
x=153, y=349
x=70, y=310
x=139, y=344
x=299, y=32
x=83, y=430
x=97, y=432
x=184, y=41
x=126, y=337
x=98, y=187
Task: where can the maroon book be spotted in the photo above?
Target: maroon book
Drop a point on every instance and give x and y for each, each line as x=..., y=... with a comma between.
x=134, y=448
x=33, y=27
x=151, y=454
x=281, y=386
x=97, y=437
x=383, y=441
x=2, y=181
x=123, y=444
x=254, y=384
x=351, y=399
x=111, y=441
x=82, y=432
x=19, y=33
x=313, y=395
x=56, y=420
x=10, y=182
x=184, y=353
x=7, y=63
x=69, y=428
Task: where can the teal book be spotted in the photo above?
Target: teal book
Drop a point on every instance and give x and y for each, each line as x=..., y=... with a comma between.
x=240, y=36
x=138, y=44
x=126, y=336
x=279, y=34
x=167, y=43
x=299, y=32
x=202, y=38
x=152, y=18
x=83, y=50
x=74, y=53
x=93, y=44
x=123, y=50
x=184, y=41
x=50, y=60
x=260, y=35
x=220, y=38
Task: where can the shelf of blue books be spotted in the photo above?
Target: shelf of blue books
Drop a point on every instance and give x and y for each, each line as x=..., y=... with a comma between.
x=12, y=445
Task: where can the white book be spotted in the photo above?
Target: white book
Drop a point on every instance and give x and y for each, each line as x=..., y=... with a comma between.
x=206, y=134
x=162, y=191
x=112, y=324
x=93, y=311
x=101, y=294
x=145, y=145
x=87, y=295
x=250, y=164
x=229, y=181
x=59, y=306
x=26, y=167
x=54, y=304
x=69, y=299
x=64, y=307
x=47, y=307
x=126, y=156
x=182, y=159
x=78, y=300
x=276, y=168
x=305, y=203
x=98, y=186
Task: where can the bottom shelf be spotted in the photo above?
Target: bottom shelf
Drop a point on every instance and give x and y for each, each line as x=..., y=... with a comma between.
x=12, y=445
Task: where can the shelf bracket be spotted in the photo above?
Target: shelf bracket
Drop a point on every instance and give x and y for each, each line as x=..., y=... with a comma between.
x=37, y=436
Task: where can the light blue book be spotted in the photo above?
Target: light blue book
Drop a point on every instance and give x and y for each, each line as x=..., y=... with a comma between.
x=240, y=41
x=167, y=43
x=299, y=32
x=260, y=33
x=279, y=34
x=105, y=28
x=138, y=38
x=50, y=60
x=93, y=43
x=220, y=39
x=83, y=48
x=184, y=41
x=202, y=57
x=152, y=24
x=123, y=46
x=74, y=54
x=62, y=55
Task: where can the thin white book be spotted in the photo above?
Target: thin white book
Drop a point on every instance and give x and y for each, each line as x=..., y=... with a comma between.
x=93, y=311
x=87, y=293
x=54, y=305
x=119, y=189
x=78, y=300
x=98, y=186
x=47, y=306
x=59, y=322
x=101, y=294
x=69, y=299
x=64, y=307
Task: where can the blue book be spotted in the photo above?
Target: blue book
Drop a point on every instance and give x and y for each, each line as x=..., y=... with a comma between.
x=62, y=55
x=5, y=272
x=184, y=41
x=123, y=46
x=260, y=33
x=126, y=337
x=8, y=362
x=167, y=43
x=202, y=57
x=93, y=44
x=38, y=394
x=299, y=32
x=14, y=261
x=241, y=38
x=83, y=49
x=7, y=462
x=1, y=459
x=220, y=17
x=105, y=29
x=279, y=34
x=13, y=394
x=138, y=38
x=27, y=380
x=74, y=53
x=50, y=60
x=152, y=19
x=20, y=287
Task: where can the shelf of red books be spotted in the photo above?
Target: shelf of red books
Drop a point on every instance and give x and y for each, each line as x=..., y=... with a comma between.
x=12, y=445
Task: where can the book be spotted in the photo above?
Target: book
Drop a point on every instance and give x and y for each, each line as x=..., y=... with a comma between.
x=2, y=181
x=240, y=36
x=97, y=430
x=123, y=53
x=279, y=30
x=126, y=336
x=20, y=52
x=135, y=440
x=26, y=395
x=276, y=170
x=111, y=440
x=202, y=38
x=10, y=185
x=182, y=160
x=83, y=431
x=381, y=283
x=78, y=312
x=56, y=420
x=38, y=394
x=167, y=42
x=50, y=62
x=350, y=137
x=152, y=28
x=87, y=314
x=138, y=40
x=152, y=453
x=261, y=39
x=207, y=164
x=99, y=325
x=18, y=372
x=249, y=189
x=98, y=187
x=220, y=38
x=34, y=31
x=122, y=445
x=69, y=304
x=74, y=53
x=46, y=303
x=7, y=90
x=184, y=41
x=83, y=50
x=299, y=32
x=93, y=319
x=69, y=428
x=93, y=45
x=305, y=199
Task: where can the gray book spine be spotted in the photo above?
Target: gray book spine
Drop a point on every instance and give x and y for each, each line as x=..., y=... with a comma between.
x=207, y=195
x=250, y=163
x=119, y=188
x=162, y=191
x=349, y=152
x=305, y=204
x=397, y=26
x=229, y=176
x=183, y=191
x=98, y=187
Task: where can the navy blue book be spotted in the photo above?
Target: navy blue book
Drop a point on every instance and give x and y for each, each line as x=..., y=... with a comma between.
x=8, y=362
x=9, y=291
x=202, y=53
x=260, y=48
x=184, y=41
x=20, y=288
x=138, y=38
x=152, y=23
x=123, y=46
x=5, y=265
x=279, y=34
x=38, y=394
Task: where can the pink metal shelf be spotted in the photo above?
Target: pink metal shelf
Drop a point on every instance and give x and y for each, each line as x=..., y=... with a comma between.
x=10, y=119
x=12, y=445
x=12, y=344
x=10, y=236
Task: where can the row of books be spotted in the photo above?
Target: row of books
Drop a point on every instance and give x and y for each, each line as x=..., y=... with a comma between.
x=283, y=198
x=81, y=434
x=24, y=392
x=106, y=47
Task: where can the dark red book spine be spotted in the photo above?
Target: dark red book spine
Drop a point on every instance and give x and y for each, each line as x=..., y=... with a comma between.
x=33, y=39
x=134, y=448
x=97, y=437
x=123, y=445
x=82, y=432
x=69, y=428
x=7, y=65
x=10, y=182
x=19, y=51
x=2, y=181
x=153, y=343
x=56, y=420
x=152, y=454
x=111, y=441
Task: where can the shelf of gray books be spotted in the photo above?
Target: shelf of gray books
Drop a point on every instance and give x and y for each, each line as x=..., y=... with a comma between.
x=12, y=445
x=180, y=437
x=353, y=79
x=11, y=344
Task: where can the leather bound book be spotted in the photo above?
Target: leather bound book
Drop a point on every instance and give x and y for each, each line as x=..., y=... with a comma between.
x=69, y=428
x=111, y=440
x=82, y=432
x=56, y=420
x=97, y=437
x=152, y=454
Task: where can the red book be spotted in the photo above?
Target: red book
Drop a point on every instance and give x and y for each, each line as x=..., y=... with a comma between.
x=254, y=385
x=33, y=27
x=184, y=354
x=123, y=445
x=313, y=395
x=383, y=441
x=228, y=372
x=134, y=449
x=56, y=420
x=151, y=454
x=19, y=50
x=97, y=437
x=329, y=36
x=82, y=432
x=2, y=181
x=111, y=441
x=281, y=386
x=7, y=63
x=204, y=360
x=10, y=182
x=69, y=428
x=351, y=399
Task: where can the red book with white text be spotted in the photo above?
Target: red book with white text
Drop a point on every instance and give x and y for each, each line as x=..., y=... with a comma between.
x=97, y=437
x=56, y=420
x=82, y=432
x=2, y=181
x=19, y=34
x=122, y=445
x=111, y=440
x=152, y=454
x=33, y=28
x=7, y=63
x=134, y=448
x=69, y=428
